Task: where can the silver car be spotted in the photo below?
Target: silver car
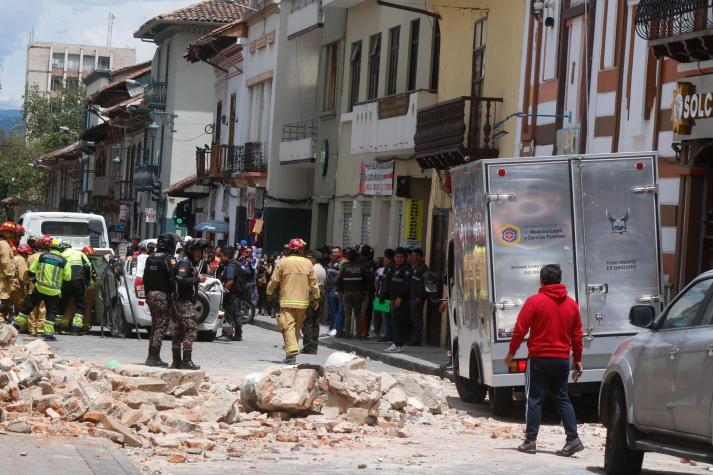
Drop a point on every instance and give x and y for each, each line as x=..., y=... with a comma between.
x=657, y=391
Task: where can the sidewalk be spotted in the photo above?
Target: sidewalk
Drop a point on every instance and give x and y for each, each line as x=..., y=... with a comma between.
x=421, y=359
x=61, y=455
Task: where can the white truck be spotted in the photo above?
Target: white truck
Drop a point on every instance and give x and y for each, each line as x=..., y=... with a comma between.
x=79, y=229
x=594, y=215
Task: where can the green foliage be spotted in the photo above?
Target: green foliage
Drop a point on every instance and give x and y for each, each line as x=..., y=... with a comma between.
x=45, y=114
x=18, y=179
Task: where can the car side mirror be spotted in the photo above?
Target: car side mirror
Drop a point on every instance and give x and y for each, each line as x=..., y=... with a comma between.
x=642, y=316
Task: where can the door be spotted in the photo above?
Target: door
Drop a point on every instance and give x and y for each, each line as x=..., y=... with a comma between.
x=531, y=225
x=693, y=387
x=439, y=244
x=616, y=206
x=654, y=374
x=574, y=64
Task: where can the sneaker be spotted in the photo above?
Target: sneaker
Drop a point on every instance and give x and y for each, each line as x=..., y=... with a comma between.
x=399, y=349
x=570, y=448
x=391, y=349
x=528, y=447
x=333, y=333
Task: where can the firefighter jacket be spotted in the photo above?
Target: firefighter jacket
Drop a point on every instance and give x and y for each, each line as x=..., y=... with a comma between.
x=7, y=269
x=79, y=264
x=30, y=260
x=160, y=273
x=417, y=287
x=186, y=279
x=50, y=270
x=353, y=278
x=295, y=279
x=399, y=283
x=22, y=273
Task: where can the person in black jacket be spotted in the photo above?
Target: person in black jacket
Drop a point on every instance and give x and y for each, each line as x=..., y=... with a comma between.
x=233, y=279
x=417, y=296
x=399, y=286
x=160, y=287
x=366, y=253
x=353, y=285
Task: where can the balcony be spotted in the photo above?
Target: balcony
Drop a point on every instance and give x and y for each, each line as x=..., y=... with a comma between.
x=144, y=177
x=124, y=190
x=678, y=29
x=457, y=131
x=299, y=141
x=103, y=187
x=242, y=165
x=305, y=16
x=387, y=126
x=156, y=94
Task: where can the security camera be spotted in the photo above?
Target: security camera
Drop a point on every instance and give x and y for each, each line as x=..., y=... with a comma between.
x=538, y=6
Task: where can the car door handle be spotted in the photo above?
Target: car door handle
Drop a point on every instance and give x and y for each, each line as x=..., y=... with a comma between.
x=672, y=354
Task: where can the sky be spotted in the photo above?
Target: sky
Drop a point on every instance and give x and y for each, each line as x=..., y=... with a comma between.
x=69, y=21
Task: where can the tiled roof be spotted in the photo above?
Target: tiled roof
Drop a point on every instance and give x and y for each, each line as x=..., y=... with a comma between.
x=207, y=11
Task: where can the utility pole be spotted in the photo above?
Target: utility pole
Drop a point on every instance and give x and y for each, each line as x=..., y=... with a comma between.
x=109, y=28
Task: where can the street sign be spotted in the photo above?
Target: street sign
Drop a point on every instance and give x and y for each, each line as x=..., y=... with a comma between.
x=150, y=215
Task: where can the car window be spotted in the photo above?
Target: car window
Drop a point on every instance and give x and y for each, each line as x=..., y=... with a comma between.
x=707, y=318
x=684, y=310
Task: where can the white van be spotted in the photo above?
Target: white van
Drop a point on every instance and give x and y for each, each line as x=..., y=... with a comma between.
x=78, y=229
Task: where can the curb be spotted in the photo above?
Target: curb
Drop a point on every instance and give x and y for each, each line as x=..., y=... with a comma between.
x=420, y=366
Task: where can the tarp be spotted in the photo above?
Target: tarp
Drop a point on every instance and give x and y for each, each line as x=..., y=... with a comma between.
x=213, y=227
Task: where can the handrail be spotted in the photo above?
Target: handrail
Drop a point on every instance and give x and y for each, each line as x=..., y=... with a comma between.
x=658, y=19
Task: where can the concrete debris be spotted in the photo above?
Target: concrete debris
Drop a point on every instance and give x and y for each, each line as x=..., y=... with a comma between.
x=8, y=334
x=19, y=427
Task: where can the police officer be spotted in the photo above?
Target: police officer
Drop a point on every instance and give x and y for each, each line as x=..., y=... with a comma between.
x=187, y=280
x=233, y=278
x=399, y=285
x=353, y=285
x=160, y=287
x=81, y=270
x=417, y=296
x=49, y=272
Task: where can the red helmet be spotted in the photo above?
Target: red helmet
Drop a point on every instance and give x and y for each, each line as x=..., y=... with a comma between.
x=44, y=242
x=297, y=244
x=8, y=226
x=88, y=250
x=24, y=249
x=21, y=230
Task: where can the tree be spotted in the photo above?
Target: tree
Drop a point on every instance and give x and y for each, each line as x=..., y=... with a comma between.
x=19, y=180
x=46, y=113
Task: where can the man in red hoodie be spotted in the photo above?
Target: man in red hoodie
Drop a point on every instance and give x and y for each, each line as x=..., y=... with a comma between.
x=555, y=327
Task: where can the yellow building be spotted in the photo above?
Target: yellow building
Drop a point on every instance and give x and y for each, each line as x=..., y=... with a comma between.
x=481, y=58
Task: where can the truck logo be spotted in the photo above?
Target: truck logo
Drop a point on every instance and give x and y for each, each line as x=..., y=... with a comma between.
x=618, y=225
x=510, y=235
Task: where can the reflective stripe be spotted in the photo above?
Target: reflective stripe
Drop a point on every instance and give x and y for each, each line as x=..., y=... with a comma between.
x=352, y=278
x=20, y=320
x=49, y=327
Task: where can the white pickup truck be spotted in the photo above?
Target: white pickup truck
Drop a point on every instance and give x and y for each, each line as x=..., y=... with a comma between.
x=78, y=229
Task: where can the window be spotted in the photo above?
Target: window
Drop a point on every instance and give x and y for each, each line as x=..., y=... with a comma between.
x=65, y=228
x=346, y=223
x=88, y=65
x=436, y=61
x=100, y=164
x=683, y=311
x=374, y=61
x=57, y=83
x=72, y=83
x=73, y=62
x=58, y=60
x=365, y=222
x=355, y=64
x=413, y=54
x=394, y=34
x=103, y=63
x=217, y=129
x=478, y=73
x=330, y=77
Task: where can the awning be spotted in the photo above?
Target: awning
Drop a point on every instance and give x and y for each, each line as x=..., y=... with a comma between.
x=213, y=227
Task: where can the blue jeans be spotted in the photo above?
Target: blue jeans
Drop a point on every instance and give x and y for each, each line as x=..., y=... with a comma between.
x=543, y=374
x=336, y=310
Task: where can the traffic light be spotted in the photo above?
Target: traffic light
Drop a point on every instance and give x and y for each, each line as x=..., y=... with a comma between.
x=156, y=190
x=183, y=213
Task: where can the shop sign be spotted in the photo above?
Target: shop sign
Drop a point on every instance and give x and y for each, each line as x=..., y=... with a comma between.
x=150, y=215
x=377, y=178
x=689, y=105
x=413, y=223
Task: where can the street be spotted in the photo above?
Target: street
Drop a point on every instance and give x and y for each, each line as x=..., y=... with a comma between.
x=464, y=440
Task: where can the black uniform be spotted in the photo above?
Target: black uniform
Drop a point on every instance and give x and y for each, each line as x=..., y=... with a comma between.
x=187, y=285
x=399, y=287
x=233, y=271
x=160, y=287
x=353, y=283
x=417, y=297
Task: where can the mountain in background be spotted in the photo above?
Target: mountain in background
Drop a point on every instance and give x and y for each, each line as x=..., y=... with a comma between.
x=9, y=120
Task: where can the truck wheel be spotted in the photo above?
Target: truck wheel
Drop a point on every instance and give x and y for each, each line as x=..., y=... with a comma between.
x=202, y=306
x=468, y=389
x=500, y=401
x=618, y=457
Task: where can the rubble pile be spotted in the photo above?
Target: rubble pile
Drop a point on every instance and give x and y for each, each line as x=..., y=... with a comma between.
x=184, y=416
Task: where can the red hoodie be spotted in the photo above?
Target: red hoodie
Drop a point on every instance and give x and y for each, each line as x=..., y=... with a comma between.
x=554, y=323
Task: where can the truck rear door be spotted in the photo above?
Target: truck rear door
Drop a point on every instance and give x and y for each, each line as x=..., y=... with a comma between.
x=618, y=239
x=530, y=208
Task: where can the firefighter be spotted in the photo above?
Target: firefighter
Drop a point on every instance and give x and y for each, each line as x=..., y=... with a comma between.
x=81, y=270
x=36, y=324
x=19, y=291
x=295, y=279
x=7, y=267
x=187, y=280
x=160, y=287
x=91, y=291
x=399, y=287
x=49, y=272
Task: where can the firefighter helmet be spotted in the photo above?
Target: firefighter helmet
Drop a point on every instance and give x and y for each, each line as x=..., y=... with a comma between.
x=20, y=229
x=88, y=250
x=44, y=242
x=24, y=249
x=8, y=226
x=297, y=244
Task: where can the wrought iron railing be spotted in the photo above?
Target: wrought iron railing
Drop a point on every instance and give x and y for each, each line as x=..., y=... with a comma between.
x=251, y=158
x=227, y=160
x=657, y=19
x=306, y=129
x=156, y=94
